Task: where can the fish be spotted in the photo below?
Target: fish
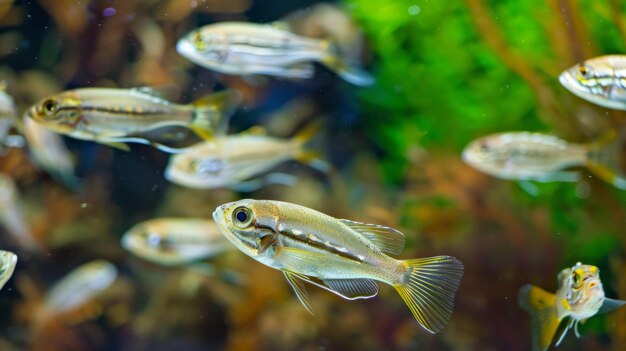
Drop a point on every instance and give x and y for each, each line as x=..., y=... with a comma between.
x=11, y=216
x=172, y=241
x=241, y=48
x=542, y=157
x=580, y=296
x=8, y=260
x=79, y=286
x=341, y=256
x=8, y=113
x=49, y=152
x=599, y=80
x=228, y=160
x=118, y=116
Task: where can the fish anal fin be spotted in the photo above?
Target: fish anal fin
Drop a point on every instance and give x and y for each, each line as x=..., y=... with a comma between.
x=610, y=304
x=212, y=112
x=386, y=239
x=353, y=289
x=349, y=71
x=428, y=287
x=604, y=159
x=544, y=322
x=313, y=159
x=298, y=287
x=115, y=144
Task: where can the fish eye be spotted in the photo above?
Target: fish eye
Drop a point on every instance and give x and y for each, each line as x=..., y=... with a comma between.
x=484, y=147
x=242, y=217
x=576, y=279
x=198, y=42
x=584, y=71
x=49, y=107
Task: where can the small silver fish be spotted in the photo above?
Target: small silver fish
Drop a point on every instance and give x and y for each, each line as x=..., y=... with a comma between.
x=541, y=157
x=79, y=286
x=580, y=296
x=175, y=241
x=248, y=48
x=50, y=153
x=12, y=217
x=346, y=257
x=7, y=114
x=600, y=80
x=229, y=160
x=117, y=116
x=8, y=260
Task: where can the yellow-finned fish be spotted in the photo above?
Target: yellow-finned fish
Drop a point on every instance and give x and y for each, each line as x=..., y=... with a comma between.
x=248, y=48
x=117, y=116
x=50, y=153
x=542, y=157
x=341, y=256
x=231, y=159
x=600, y=80
x=8, y=260
x=175, y=241
x=580, y=296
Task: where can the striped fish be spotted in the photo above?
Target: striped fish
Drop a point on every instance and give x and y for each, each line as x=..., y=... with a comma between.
x=249, y=48
x=117, y=116
x=341, y=256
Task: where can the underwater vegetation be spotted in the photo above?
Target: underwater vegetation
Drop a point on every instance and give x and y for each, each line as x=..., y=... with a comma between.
x=454, y=151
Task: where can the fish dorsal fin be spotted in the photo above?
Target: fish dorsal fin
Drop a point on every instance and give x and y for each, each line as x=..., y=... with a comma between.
x=280, y=25
x=295, y=280
x=157, y=92
x=353, y=289
x=544, y=322
x=386, y=239
x=255, y=130
x=610, y=304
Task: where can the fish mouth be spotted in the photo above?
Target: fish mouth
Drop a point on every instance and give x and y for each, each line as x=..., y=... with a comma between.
x=569, y=81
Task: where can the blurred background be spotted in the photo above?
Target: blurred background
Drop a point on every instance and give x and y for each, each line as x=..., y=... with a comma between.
x=446, y=73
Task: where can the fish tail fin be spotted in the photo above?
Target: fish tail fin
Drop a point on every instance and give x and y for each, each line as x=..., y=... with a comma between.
x=603, y=159
x=348, y=69
x=211, y=113
x=306, y=156
x=428, y=288
x=544, y=322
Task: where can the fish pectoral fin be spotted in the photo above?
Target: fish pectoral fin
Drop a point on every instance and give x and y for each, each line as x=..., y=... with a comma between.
x=295, y=280
x=212, y=112
x=610, y=304
x=386, y=239
x=564, y=332
x=352, y=289
x=544, y=322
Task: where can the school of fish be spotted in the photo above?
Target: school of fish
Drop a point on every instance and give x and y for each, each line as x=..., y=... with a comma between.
x=342, y=256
